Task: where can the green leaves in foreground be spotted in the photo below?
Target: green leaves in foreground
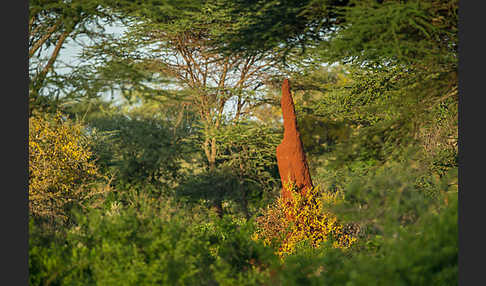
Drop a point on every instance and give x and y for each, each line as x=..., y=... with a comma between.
x=151, y=245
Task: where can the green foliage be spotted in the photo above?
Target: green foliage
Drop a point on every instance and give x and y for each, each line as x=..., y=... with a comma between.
x=155, y=243
x=391, y=195
x=240, y=260
x=170, y=247
x=140, y=143
x=382, y=115
x=212, y=188
x=247, y=174
x=47, y=256
x=248, y=148
x=408, y=32
x=425, y=254
x=265, y=25
x=138, y=150
x=363, y=32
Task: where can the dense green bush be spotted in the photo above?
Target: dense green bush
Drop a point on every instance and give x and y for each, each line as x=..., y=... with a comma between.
x=149, y=243
x=137, y=150
x=246, y=175
x=424, y=254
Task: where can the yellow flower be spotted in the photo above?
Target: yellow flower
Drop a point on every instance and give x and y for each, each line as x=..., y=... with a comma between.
x=301, y=219
x=58, y=163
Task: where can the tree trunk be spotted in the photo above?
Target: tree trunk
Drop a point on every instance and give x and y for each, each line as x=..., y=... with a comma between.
x=218, y=206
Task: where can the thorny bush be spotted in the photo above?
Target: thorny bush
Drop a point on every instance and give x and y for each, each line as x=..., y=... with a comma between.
x=287, y=224
x=61, y=166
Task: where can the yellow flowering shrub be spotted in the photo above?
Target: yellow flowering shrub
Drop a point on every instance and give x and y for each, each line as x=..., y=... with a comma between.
x=60, y=165
x=287, y=223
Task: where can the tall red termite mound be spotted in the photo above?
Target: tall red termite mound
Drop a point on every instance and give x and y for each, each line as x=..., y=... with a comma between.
x=292, y=163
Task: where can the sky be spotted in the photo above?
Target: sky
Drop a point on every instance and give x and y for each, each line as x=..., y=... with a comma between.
x=72, y=50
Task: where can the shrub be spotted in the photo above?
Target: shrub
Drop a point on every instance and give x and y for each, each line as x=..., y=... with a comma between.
x=60, y=165
x=239, y=260
x=139, y=151
x=302, y=220
x=422, y=254
x=149, y=243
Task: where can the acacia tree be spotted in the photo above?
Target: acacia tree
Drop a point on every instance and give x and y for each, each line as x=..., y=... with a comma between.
x=215, y=81
x=171, y=56
x=222, y=88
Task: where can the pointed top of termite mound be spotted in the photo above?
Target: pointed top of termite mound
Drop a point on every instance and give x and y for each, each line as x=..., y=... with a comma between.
x=286, y=85
x=288, y=109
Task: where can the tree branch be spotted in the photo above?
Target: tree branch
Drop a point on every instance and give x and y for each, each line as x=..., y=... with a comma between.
x=42, y=40
x=42, y=75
